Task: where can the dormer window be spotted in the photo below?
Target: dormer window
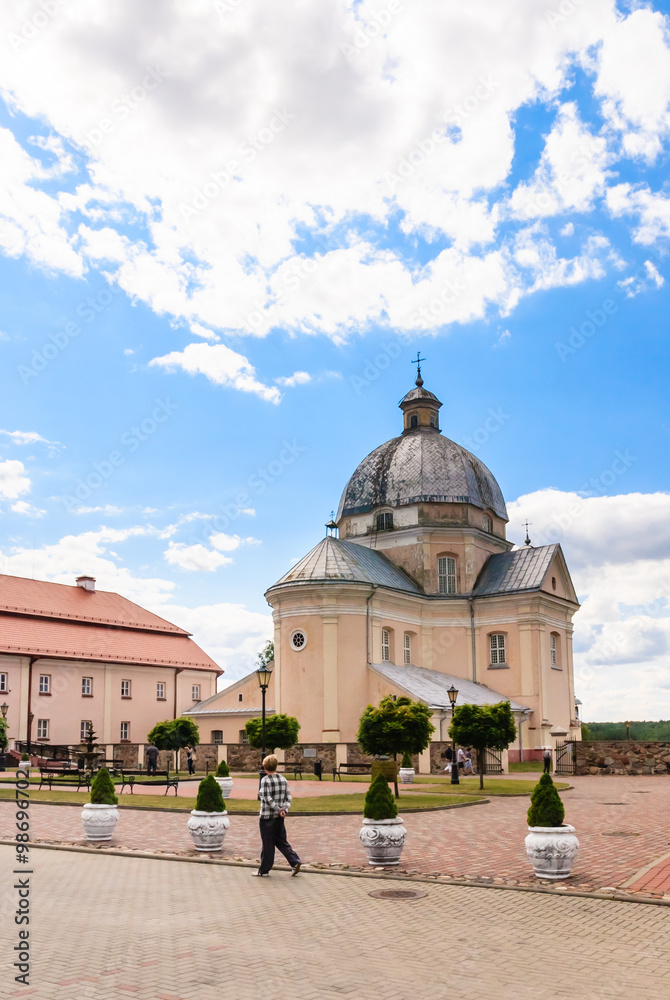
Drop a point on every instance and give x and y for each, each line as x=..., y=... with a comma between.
x=385, y=521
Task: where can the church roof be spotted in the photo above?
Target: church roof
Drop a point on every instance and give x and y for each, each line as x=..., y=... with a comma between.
x=430, y=686
x=420, y=466
x=521, y=569
x=333, y=559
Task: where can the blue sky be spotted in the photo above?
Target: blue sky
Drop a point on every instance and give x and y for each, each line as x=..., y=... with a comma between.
x=225, y=235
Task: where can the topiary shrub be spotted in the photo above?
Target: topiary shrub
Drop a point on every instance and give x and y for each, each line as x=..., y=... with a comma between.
x=222, y=771
x=210, y=799
x=24, y=756
x=102, y=789
x=406, y=760
x=546, y=808
x=379, y=801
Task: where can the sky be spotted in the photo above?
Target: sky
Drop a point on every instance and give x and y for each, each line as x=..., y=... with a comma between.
x=226, y=228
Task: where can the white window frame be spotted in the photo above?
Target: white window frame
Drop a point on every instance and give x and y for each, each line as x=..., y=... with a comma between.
x=296, y=632
x=244, y=737
x=195, y=692
x=487, y=524
x=4, y=683
x=386, y=645
x=217, y=733
x=553, y=649
x=386, y=519
x=407, y=648
x=42, y=729
x=126, y=692
x=45, y=684
x=87, y=687
x=446, y=575
x=124, y=728
x=497, y=651
x=83, y=733
x=160, y=690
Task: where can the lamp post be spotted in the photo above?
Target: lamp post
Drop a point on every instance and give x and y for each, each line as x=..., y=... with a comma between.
x=31, y=716
x=264, y=673
x=453, y=695
x=3, y=708
x=627, y=725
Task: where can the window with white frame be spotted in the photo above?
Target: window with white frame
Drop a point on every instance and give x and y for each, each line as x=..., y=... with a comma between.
x=446, y=575
x=85, y=728
x=160, y=691
x=217, y=735
x=407, y=648
x=4, y=682
x=497, y=640
x=244, y=737
x=87, y=686
x=125, y=689
x=125, y=730
x=195, y=692
x=553, y=649
x=385, y=521
x=386, y=644
x=42, y=729
x=45, y=684
x=486, y=523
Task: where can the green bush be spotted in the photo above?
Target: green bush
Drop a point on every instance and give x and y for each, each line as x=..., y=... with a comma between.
x=406, y=760
x=223, y=771
x=546, y=808
x=102, y=789
x=24, y=756
x=379, y=801
x=209, y=798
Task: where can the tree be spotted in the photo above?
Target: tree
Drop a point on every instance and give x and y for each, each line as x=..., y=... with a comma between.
x=173, y=734
x=483, y=727
x=546, y=808
x=396, y=726
x=4, y=742
x=267, y=654
x=281, y=731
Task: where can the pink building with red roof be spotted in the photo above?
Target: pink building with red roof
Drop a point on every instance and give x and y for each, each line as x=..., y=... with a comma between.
x=75, y=657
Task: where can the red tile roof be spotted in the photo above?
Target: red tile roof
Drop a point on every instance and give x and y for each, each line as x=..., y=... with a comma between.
x=54, y=620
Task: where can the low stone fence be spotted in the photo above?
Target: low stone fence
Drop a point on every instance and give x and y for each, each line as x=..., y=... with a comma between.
x=623, y=757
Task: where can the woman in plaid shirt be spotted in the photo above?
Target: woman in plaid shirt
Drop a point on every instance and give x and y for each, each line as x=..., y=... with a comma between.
x=275, y=799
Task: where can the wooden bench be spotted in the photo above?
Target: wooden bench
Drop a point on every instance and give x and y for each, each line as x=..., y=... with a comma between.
x=296, y=768
x=341, y=769
x=64, y=776
x=129, y=777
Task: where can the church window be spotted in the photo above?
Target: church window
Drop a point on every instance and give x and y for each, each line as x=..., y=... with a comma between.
x=553, y=583
x=386, y=644
x=124, y=731
x=486, y=523
x=384, y=521
x=407, y=649
x=298, y=639
x=446, y=575
x=414, y=420
x=498, y=648
x=4, y=682
x=553, y=649
x=217, y=735
x=239, y=697
x=433, y=420
x=244, y=738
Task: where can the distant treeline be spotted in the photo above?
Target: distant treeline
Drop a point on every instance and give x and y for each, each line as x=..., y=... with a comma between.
x=617, y=731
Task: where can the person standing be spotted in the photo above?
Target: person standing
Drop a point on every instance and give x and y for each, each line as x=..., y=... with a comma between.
x=448, y=753
x=189, y=759
x=547, y=759
x=275, y=799
x=151, y=757
x=460, y=758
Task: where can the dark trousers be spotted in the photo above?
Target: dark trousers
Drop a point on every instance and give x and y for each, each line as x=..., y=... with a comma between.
x=191, y=768
x=273, y=835
x=151, y=765
x=547, y=765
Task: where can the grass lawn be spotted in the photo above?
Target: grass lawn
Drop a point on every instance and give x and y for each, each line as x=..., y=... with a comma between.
x=322, y=804
x=527, y=765
x=470, y=785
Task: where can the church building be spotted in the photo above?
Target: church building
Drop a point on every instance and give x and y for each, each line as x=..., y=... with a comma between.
x=416, y=588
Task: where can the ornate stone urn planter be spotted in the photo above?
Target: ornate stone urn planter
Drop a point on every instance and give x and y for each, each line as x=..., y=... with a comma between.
x=406, y=775
x=208, y=829
x=99, y=820
x=552, y=850
x=24, y=765
x=383, y=840
x=226, y=786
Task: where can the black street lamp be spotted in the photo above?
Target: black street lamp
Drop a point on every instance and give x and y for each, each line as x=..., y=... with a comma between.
x=453, y=695
x=627, y=725
x=4, y=709
x=31, y=716
x=264, y=673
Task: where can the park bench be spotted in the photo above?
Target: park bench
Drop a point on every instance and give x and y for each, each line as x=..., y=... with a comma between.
x=56, y=776
x=340, y=769
x=296, y=768
x=129, y=777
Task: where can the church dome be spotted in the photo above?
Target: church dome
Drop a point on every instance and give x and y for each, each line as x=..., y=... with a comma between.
x=420, y=466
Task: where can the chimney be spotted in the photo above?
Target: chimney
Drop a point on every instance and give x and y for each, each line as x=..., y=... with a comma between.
x=87, y=583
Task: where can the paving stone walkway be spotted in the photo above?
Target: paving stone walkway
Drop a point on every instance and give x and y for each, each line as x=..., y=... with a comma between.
x=620, y=822
x=105, y=928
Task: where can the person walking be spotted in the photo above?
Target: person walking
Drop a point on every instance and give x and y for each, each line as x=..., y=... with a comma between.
x=547, y=759
x=275, y=799
x=448, y=753
x=460, y=759
x=468, y=767
x=151, y=757
x=190, y=751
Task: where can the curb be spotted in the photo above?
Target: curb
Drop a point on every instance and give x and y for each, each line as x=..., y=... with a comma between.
x=444, y=881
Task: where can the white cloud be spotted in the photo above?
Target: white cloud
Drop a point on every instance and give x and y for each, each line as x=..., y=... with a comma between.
x=221, y=366
x=32, y=437
x=297, y=378
x=651, y=208
x=201, y=331
x=27, y=509
x=107, y=508
x=13, y=479
x=195, y=558
x=568, y=229
x=230, y=633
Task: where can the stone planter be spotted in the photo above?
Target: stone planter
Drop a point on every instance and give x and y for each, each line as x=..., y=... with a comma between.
x=99, y=820
x=406, y=775
x=552, y=850
x=24, y=765
x=226, y=786
x=383, y=840
x=208, y=829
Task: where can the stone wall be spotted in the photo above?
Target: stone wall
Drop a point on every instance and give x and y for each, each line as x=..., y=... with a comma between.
x=126, y=752
x=205, y=753
x=623, y=757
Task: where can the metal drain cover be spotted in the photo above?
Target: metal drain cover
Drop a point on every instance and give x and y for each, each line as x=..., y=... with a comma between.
x=397, y=893
x=615, y=803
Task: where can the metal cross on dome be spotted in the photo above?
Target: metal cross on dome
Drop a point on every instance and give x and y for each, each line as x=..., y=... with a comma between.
x=417, y=362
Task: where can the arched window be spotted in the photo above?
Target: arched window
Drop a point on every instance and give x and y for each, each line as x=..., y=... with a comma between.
x=407, y=648
x=385, y=521
x=497, y=641
x=386, y=644
x=433, y=420
x=554, y=649
x=446, y=575
x=486, y=523
x=414, y=420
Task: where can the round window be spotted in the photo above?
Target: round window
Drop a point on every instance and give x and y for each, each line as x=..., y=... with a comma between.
x=298, y=639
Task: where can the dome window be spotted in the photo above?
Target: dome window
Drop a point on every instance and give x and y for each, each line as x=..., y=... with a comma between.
x=446, y=575
x=386, y=644
x=433, y=420
x=486, y=523
x=414, y=420
x=385, y=521
x=298, y=639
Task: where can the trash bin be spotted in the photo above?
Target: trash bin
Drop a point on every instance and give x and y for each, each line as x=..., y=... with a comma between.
x=318, y=769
